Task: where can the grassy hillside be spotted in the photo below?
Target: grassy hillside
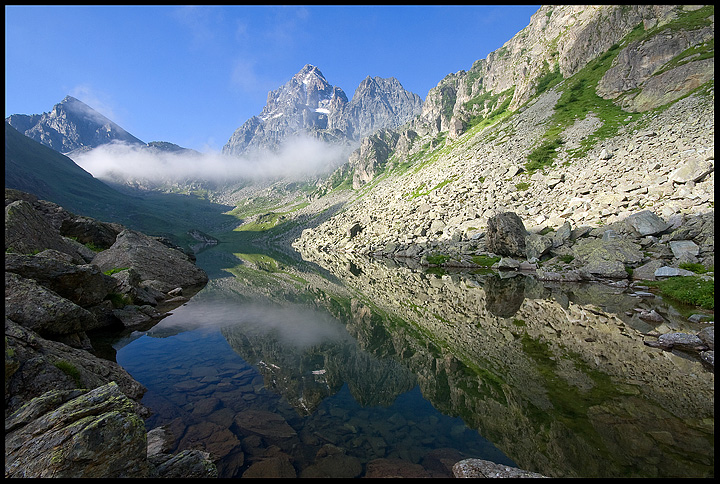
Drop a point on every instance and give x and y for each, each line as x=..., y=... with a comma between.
x=35, y=168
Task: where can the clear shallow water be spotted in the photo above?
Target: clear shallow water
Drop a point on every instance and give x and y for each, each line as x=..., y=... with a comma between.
x=389, y=362
x=195, y=377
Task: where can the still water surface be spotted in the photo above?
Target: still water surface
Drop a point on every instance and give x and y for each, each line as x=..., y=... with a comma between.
x=386, y=365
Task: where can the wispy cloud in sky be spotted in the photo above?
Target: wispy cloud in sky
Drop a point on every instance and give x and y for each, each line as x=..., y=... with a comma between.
x=246, y=78
x=260, y=42
x=99, y=101
x=201, y=23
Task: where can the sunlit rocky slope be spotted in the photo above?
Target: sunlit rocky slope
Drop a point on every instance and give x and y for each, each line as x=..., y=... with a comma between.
x=586, y=116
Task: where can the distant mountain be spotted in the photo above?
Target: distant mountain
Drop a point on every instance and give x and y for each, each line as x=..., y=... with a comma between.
x=166, y=147
x=379, y=103
x=308, y=104
x=70, y=125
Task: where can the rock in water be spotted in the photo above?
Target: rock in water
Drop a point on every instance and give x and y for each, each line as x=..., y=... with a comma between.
x=485, y=468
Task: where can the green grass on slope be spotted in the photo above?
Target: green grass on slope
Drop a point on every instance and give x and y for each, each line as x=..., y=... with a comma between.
x=692, y=290
x=579, y=97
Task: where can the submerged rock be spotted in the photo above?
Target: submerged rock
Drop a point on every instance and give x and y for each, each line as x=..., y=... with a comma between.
x=185, y=464
x=270, y=426
x=278, y=465
x=331, y=461
x=394, y=468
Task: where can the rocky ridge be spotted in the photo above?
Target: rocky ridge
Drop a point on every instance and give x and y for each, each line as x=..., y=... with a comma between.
x=650, y=47
x=664, y=165
x=308, y=105
x=560, y=41
x=69, y=126
x=67, y=275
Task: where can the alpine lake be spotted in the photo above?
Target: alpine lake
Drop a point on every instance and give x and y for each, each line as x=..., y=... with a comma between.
x=338, y=366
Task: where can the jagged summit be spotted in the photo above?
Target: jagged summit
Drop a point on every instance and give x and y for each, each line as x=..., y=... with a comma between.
x=70, y=125
x=309, y=105
x=307, y=89
x=310, y=74
x=381, y=103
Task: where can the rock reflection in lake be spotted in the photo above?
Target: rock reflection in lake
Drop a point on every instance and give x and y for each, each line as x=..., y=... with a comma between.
x=556, y=377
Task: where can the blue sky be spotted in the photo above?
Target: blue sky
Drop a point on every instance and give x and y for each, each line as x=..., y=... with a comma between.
x=193, y=75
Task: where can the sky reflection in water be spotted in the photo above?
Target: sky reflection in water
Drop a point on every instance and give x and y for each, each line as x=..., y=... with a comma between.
x=186, y=359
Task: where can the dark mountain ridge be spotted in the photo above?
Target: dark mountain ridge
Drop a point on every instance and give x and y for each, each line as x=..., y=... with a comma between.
x=38, y=169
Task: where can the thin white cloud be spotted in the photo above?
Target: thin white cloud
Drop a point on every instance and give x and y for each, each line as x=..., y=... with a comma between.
x=289, y=26
x=292, y=325
x=245, y=77
x=99, y=101
x=201, y=23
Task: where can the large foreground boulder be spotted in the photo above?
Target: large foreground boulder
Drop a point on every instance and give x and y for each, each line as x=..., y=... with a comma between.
x=27, y=231
x=35, y=365
x=607, y=257
x=646, y=223
x=87, y=230
x=82, y=284
x=77, y=433
x=158, y=266
x=42, y=310
x=506, y=235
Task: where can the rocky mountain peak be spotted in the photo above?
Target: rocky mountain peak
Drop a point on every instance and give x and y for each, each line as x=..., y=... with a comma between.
x=307, y=89
x=70, y=125
x=72, y=103
x=381, y=103
x=309, y=104
x=312, y=78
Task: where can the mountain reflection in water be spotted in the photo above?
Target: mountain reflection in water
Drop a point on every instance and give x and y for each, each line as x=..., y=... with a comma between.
x=385, y=361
